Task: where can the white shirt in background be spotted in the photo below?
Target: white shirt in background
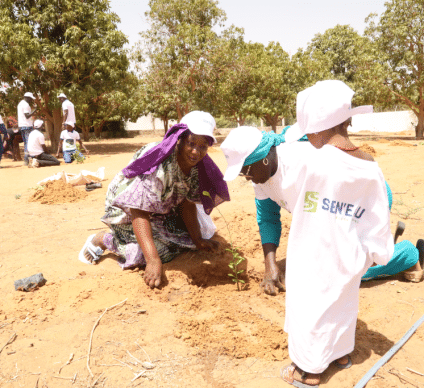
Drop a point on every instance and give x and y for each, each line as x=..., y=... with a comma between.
x=35, y=142
x=67, y=105
x=69, y=140
x=1, y=120
x=24, y=107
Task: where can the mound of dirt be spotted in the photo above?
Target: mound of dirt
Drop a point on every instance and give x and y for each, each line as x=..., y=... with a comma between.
x=401, y=143
x=57, y=192
x=384, y=141
x=368, y=149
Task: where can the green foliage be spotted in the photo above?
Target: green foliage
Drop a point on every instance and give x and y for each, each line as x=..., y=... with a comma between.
x=70, y=46
x=237, y=259
x=17, y=196
x=398, y=68
x=180, y=58
x=78, y=156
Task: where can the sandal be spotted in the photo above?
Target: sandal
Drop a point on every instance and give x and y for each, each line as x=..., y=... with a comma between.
x=287, y=374
x=94, y=251
x=413, y=276
x=93, y=186
x=420, y=247
x=343, y=366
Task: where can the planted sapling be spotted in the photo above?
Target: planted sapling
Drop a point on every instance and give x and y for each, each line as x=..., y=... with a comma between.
x=237, y=259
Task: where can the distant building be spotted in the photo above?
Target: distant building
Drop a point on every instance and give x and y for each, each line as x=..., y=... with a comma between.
x=384, y=122
x=148, y=123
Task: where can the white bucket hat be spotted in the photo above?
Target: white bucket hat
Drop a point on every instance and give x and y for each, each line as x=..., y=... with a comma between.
x=38, y=123
x=323, y=106
x=200, y=123
x=70, y=123
x=62, y=95
x=237, y=146
x=30, y=95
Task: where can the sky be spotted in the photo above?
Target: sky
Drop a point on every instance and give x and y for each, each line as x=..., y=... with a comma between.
x=291, y=23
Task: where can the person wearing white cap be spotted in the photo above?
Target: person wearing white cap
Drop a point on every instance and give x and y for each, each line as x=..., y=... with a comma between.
x=25, y=121
x=340, y=223
x=37, y=149
x=68, y=110
x=68, y=143
x=155, y=208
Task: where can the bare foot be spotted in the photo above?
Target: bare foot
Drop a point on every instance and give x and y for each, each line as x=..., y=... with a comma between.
x=97, y=242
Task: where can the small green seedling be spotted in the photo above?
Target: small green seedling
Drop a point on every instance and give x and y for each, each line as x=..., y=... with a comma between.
x=237, y=259
x=17, y=196
x=77, y=156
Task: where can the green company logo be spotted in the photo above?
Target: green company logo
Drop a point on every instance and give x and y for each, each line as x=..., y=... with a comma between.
x=311, y=201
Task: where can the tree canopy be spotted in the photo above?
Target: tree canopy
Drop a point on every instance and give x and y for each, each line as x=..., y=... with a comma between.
x=399, y=43
x=70, y=46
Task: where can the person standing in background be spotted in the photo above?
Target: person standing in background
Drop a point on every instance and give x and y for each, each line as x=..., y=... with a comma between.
x=25, y=122
x=3, y=137
x=68, y=110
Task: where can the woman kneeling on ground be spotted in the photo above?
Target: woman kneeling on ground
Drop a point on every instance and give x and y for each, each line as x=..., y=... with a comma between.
x=151, y=204
x=340, y=223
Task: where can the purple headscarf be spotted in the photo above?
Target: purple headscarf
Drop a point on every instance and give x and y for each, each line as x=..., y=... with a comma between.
x=210, y=176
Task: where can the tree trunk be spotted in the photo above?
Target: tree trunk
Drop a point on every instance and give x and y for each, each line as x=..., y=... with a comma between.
x=57, y=128
x=272, y=121
x=97, y=131
x=165, y=124
x=85, y=132
x=240, y=120
x=419, y=129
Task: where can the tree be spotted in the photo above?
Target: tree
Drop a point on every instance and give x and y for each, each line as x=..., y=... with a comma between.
x=52, y=46
x=271, y=95
x=237, y=81
x=179, y=56
x=399, y=41
x=342, y=46
x=121, y=103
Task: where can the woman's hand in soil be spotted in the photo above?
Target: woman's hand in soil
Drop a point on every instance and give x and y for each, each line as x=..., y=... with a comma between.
x=207, y=245
x=273, y=281
x=273, y=278
x=153, y=273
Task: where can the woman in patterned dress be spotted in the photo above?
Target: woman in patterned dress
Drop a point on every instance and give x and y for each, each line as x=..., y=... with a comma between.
x=151, y=204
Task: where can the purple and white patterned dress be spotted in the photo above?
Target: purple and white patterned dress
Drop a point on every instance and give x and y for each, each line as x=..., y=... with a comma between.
x=159, y=193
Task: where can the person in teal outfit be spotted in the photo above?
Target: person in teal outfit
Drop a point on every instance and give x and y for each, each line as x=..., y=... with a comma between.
x=406, y=259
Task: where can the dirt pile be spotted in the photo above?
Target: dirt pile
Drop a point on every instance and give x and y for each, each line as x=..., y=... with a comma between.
x=57, y=192
x=401, y=143
x=368, y=149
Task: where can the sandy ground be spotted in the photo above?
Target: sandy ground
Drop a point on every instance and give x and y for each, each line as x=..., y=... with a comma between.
x=197, y=330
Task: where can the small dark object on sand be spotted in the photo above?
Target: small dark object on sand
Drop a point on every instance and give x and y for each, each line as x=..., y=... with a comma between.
x=31, y=283
x=92, y=186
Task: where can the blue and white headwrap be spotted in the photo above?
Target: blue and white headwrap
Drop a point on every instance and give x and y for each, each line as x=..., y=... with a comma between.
x=269, y=139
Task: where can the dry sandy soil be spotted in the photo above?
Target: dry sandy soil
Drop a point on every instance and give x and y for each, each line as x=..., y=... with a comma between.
x=197, y=330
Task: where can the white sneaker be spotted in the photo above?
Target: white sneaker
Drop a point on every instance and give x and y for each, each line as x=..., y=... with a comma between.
x=35, y=163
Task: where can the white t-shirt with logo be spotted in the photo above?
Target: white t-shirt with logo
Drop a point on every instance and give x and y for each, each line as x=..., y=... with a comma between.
x=35, y=142
x=69, y=140
x=24, y=107
x=67, y=105
x=340, y=226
